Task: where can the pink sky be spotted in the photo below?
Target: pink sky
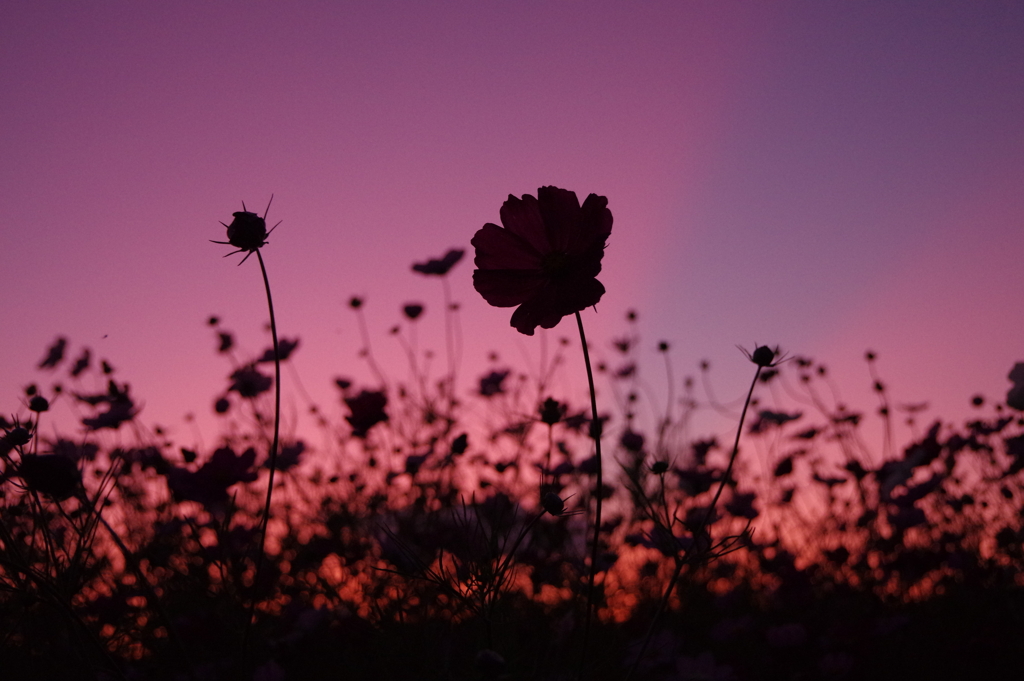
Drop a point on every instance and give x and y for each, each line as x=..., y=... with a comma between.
x=830, y=177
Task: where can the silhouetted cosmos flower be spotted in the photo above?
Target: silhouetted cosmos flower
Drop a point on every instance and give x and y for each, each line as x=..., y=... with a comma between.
x=492, y=383
x=50, y=474
x=248, y=382
x=285, y=348
x=210, y=483
x=367, y=411
x=545, y=258
x=439, y=267
x=121, y=407
x=1015, y=397
x=54, y=354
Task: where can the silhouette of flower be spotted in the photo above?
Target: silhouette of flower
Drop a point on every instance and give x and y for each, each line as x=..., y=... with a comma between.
x=227, y=341
x=210, y=483
x=51, y=474
x=1015, y=397
x=632, y=441
x=54, y=354
x=764, y=356
x=82, y=363
x=289, y=457
x=121, y=407
x=412, y=310
x=247, y=232
x=441, y=266
x=492, y=383
x=367, y=411
x=39, y=404
x=248, y=382
x=285, y=348
x=545, y=258
x=552, y=411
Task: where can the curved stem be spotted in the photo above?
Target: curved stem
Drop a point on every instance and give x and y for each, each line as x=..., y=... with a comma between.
x=273, y=456
x=595, y=432
x=698, y=532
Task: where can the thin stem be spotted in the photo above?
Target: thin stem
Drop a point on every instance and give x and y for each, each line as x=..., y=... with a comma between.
x=697, y=534
x=595, y=432
x=273, y=457
x=364, y=332
x=667, y=421
x=452, y=348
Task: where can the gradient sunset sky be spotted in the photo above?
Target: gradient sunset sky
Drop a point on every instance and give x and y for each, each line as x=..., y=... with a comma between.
x=827, y=176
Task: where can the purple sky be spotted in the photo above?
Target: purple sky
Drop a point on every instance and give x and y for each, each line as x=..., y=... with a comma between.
x=826, y=176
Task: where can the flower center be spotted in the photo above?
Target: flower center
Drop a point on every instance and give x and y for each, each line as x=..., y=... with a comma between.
x=555, y=264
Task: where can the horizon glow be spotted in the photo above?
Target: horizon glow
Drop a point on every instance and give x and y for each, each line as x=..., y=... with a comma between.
x=831, y=179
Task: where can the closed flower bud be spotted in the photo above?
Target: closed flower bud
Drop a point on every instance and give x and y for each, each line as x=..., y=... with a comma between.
x=248, y=231
x=763, y=356
x=19, y=436
x=553, y=504
x=38, y=404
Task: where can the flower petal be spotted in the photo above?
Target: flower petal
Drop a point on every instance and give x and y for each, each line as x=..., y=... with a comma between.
x=523, y=218
x=500, y=249
x=538, y=311
x=508, y=288
x=595, y=224
x=577, y=295
x=561, y=210
x=554, y=301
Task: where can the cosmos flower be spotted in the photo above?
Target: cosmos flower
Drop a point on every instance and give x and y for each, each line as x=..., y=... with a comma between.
x=285, y=348
x=367, y=411
x=54, y=354
x=545, y=258
x=51, y=474
x=249, y=382
x=1015, y=397
x=492, y=383
x=439, y=267
x=210, y=483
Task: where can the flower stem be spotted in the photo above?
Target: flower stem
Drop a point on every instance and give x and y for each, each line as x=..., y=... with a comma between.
x=273, y=457
x=595, y=432
x=697, y=533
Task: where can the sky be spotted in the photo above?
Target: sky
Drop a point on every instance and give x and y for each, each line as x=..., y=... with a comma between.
x=828, y=177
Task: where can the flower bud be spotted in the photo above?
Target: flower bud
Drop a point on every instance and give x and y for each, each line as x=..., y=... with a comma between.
x=248, y=231
x=763, y=356
x=19, y=436
x=38, y=404
x=553, y=504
